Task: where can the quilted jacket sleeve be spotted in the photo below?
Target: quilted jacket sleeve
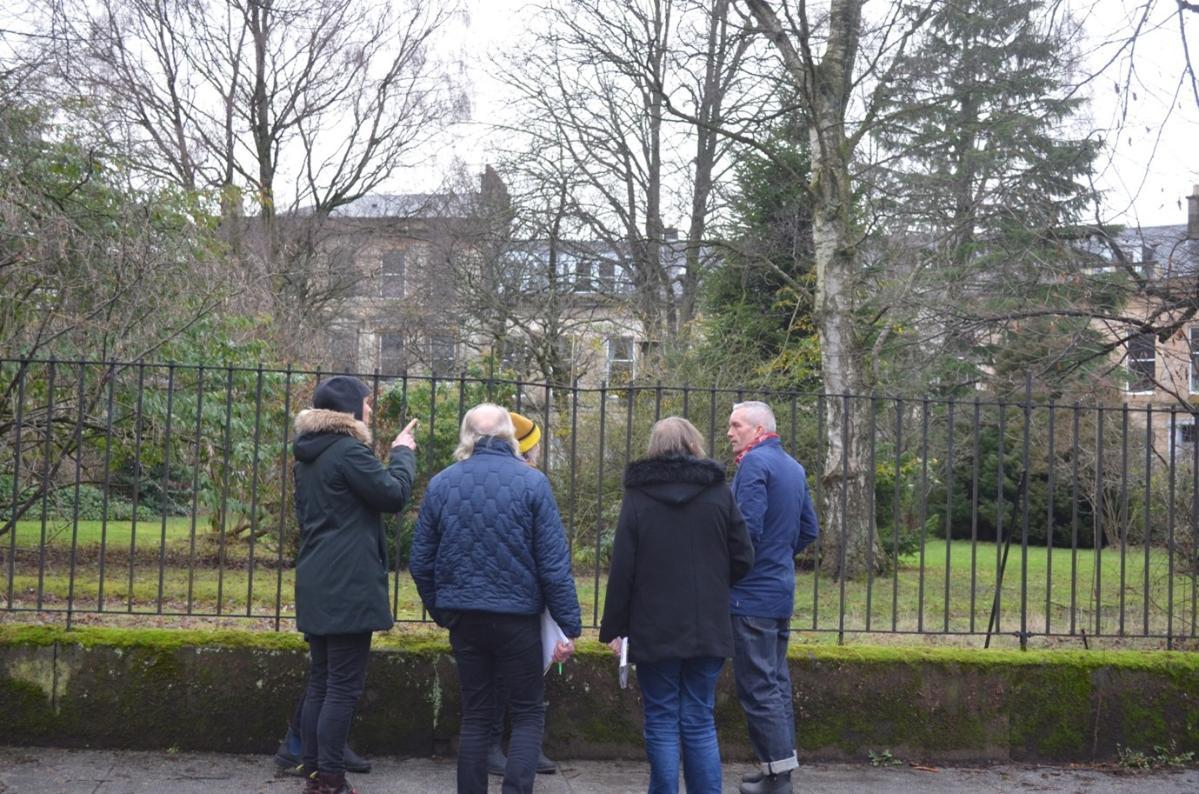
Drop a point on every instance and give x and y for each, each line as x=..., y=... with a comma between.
x=553, y=561
x=425, y=540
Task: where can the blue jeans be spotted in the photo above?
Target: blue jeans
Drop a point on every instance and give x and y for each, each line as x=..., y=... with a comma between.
x=764, y=688
x=679, y=695
x=490, y=646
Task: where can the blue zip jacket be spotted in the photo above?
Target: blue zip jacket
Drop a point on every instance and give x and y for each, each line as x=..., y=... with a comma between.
x=489, y=539
x=772, y=491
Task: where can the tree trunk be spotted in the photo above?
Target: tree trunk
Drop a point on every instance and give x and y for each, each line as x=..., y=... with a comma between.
x=824, y=86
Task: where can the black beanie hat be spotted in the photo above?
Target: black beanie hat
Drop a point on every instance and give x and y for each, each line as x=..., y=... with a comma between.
x=341, y=393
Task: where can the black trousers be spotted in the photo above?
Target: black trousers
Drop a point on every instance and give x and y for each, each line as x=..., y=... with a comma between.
x=337, y=671
x=487, y=645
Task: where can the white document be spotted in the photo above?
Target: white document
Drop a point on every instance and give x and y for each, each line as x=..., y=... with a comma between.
x=551, y=635
x=624, y=662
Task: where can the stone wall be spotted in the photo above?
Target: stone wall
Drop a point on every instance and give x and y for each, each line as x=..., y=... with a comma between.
x=233, y=691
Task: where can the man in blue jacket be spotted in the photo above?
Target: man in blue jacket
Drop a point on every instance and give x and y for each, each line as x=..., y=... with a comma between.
x=488, y=556
x=771, y=490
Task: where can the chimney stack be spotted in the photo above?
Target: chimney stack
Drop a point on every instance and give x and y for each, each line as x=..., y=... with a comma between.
x=1193, y=214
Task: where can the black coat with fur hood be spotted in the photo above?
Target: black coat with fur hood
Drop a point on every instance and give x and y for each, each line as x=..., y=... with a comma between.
x=680, y=544
x=341, y=490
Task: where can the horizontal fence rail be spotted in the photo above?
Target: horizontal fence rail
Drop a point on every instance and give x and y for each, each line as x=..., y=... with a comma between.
x=164, y=490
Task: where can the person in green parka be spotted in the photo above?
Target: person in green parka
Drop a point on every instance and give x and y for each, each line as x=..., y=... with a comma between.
x=341, y=492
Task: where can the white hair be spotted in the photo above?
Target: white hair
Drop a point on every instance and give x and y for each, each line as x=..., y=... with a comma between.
x=482, y=421
x=757, y=412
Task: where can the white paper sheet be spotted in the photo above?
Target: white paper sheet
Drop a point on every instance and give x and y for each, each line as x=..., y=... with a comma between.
x=551, y=635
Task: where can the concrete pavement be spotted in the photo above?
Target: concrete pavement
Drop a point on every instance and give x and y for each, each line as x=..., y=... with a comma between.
x=38, y=770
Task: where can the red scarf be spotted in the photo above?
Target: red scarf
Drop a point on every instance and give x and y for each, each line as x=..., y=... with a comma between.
x=751, y=445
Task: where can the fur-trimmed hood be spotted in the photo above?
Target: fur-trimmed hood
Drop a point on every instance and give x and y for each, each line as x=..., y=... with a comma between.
x=673, y=480
x=317, y=429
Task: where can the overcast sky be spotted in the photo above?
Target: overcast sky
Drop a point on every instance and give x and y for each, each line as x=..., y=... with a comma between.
x=1153, y=156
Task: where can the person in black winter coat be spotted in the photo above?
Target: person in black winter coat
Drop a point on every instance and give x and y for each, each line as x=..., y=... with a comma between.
x=680, y=544
x=341, y=490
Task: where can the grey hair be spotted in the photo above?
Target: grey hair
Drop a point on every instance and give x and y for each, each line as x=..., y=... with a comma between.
x=485, y=419
x=674, y=436
x=757, y=412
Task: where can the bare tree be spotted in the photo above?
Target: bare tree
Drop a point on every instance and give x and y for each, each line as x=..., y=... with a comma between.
x=283, y=110
x=596, y=85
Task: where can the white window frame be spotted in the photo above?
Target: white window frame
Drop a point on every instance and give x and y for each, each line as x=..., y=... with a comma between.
x=610, y=343
x=1132, y=373
x=1192, y=352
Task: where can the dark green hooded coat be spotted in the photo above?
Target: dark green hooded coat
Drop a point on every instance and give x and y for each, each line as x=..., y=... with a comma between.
x=341, y=490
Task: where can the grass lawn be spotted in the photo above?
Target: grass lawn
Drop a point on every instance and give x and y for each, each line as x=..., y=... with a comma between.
x=1059, y=593
x=115, y=534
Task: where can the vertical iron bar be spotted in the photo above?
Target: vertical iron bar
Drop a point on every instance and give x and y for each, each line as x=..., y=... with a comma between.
x=818, y=553
x=1193, y=562
x=1148, y=524
x=949, y=476
x=108, y=482
x=1024, y=482
x=895, y=517
x=254, y=485
x=658, y=401
x=1170, y=535
x=1050, y=517
x=631, y=391
x=1074, y=452
x=283, y=480
x=686, y=401
x=166, y=485
x=191, y=549
x=41, y=557
x=845, y=414
x=712, y=422
x=574, y=470
x=546, y=431
x=1000, y=509
x=872, y=529
x=80, y=418
x=923, y=511
x=137, y=477
x=225, y=455
x=974, y=513
x=432, y=419
x=599, y=501
x=16, y=479
x=1123, y=511
x=1100, y=505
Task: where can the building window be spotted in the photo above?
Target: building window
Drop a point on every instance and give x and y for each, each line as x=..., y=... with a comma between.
x=391, y=279
x=583, y=276
x=441, y=355
x=343, y=349
x=1194, y=339
x=1142, y=363
x=393, y=359
x=621, y=360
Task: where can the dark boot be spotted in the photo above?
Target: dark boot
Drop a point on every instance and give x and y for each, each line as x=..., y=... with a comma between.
x=496, y=760
x=753, y=775
x=769, y=784
x=354, y=762
x=545, y=766
x=333, y=783
x=288, y=758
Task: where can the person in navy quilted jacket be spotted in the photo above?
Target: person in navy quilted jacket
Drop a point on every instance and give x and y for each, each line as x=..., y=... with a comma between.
x=488, y=556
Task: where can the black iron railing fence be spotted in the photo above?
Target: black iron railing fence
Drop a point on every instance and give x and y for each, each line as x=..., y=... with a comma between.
x=163, y=489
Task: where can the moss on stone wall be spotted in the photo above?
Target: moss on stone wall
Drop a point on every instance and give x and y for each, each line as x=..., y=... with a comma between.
x=233, y=691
